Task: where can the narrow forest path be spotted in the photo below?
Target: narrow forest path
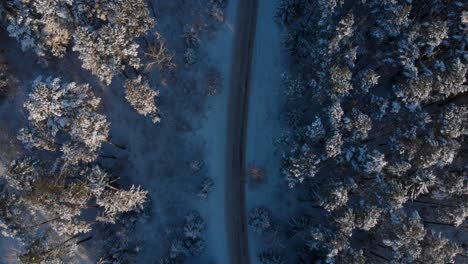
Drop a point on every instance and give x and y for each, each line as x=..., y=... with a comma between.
x=236, y=221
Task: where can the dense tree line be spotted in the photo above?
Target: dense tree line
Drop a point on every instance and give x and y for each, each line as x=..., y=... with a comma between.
x=56, y=195
x=51, y=204
x=104, y=33
x=378, y=113
x=49, y=208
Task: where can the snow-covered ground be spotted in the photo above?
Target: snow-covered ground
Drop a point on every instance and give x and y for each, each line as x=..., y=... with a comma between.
x=213, y=135
x=264, y=127
x=204, y=141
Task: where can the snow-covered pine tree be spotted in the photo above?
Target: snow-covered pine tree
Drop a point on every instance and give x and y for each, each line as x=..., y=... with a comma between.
x=57, y=108
x=104, y=34
x=142, y=97
x=260, y=220
x=270, y=257
x=42, y=206
x=117, y=202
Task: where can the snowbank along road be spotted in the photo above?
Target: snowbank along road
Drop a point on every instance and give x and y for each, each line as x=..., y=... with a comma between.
x=244, y=35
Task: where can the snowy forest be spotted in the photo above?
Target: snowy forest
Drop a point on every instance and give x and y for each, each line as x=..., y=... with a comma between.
x=233, y=131
x=377, y=110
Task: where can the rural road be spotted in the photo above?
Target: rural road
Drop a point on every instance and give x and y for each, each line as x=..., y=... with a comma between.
x=236, y=220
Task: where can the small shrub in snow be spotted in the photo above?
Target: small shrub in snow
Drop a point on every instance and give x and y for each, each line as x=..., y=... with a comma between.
x=194, y=225
x=159, y=55
x=206, y=188
x=259, y=220
x=191, y=37
x=192, y=242
x=177, y=249
x=220, y=3
x=197, y=165
x=270, y=257
x=194, y=246
x=213, y=82
x=216, y=10
x=256, y=173
x=190, y=56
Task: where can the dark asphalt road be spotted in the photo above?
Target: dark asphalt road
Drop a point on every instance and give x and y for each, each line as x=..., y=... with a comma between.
x=244, y=36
